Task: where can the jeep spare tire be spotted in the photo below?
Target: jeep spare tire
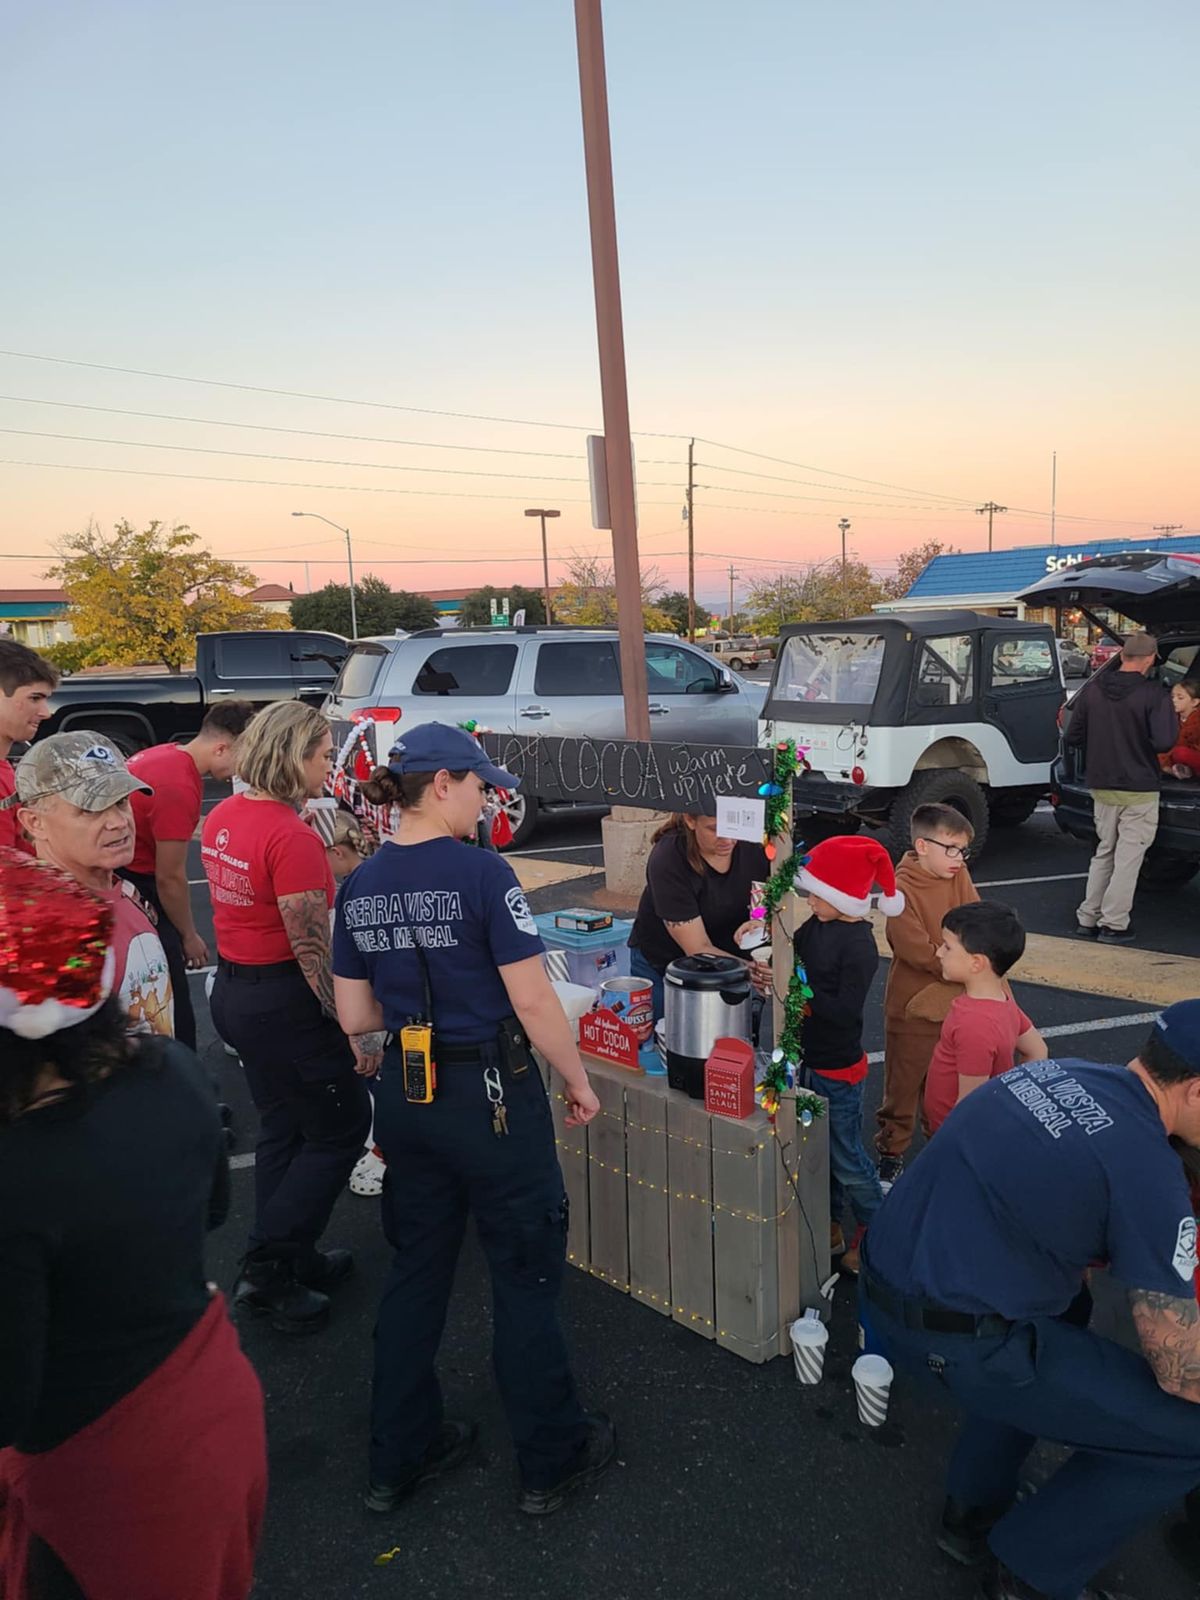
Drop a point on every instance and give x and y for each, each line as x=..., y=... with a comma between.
x=940, y=786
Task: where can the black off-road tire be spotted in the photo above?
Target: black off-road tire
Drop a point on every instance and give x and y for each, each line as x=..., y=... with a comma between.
x=1010, y=812
x=942, y=786
x=1163, y=869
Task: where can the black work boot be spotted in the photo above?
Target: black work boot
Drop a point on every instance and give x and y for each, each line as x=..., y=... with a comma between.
x=454, y=1443
x=598, y=1452
x=1001, y=1584
x=324, y=1269
x=964, y=1530
x=268, y=1287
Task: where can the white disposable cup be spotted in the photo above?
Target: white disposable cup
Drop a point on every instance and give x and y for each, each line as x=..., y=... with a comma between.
x=809, y=1338
x=322, y=814
x=872, y=1385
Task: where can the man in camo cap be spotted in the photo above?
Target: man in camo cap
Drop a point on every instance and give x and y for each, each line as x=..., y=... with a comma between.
x=73, y=791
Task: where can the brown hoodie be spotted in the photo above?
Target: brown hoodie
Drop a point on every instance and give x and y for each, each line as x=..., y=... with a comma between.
x=916, y=996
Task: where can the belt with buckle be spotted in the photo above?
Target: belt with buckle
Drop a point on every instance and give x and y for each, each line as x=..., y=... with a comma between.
x=928, y=1317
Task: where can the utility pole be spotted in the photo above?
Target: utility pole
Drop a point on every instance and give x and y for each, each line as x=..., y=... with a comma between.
x=1167, y=528
x=610, y=337
x=307, y=580
x=844, y=529
x=539, y=512
x=691, y=522
x=1053, y=492
x=732, y=576
x=990, y=510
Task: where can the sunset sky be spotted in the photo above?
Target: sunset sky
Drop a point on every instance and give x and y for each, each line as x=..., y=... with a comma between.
x=887, y=256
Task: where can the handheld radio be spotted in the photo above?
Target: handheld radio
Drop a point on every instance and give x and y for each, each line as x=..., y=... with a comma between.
x=420, y=1069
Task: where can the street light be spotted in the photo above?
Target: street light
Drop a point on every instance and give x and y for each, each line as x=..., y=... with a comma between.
x=539, y=512
x=316, y=515
x=844, y=529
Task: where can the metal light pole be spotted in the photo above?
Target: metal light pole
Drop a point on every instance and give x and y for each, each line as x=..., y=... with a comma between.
x=610, y=337
x=545, y=559
x=316, y=515
x=844, y=529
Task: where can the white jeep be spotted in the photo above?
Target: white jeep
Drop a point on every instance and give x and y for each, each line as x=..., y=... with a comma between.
x=902, y=709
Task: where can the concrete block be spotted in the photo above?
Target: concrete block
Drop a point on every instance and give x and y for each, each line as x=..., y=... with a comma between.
x=626, y=836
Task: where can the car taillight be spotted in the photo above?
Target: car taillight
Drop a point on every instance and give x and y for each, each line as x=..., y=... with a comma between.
x=857, y=775
x=377, y=714
x=1058, y=720
x=1055, y=797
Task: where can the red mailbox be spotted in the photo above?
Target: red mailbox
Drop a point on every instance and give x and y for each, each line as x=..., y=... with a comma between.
x=729, y=1079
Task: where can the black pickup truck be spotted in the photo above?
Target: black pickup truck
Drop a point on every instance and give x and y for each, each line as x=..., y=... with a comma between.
x=138, y=709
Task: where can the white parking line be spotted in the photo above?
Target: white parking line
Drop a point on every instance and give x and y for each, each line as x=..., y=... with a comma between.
x=1135, y=1019
x=554, y=849
x=1006, y=883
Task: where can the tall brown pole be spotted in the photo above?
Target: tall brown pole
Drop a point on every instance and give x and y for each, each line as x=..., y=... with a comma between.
x=597, y=151
x=691, y=516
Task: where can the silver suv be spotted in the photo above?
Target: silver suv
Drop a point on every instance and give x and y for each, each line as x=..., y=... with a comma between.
x=544, y=680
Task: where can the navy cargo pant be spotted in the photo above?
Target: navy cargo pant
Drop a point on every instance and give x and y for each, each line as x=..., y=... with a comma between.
x=1136, y=1449
x=443, y=1161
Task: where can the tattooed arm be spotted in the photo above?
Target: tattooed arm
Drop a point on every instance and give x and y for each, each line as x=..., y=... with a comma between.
x=1169, y=1330
x=306, y=922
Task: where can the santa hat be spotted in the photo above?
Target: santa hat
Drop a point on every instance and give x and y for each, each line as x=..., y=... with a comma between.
x=56, y=967
x=842, y=871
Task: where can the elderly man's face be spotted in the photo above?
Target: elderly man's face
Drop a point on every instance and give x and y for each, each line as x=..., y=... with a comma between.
x=81, y=842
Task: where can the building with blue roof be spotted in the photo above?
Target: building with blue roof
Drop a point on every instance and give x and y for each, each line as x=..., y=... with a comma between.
x=990, y=580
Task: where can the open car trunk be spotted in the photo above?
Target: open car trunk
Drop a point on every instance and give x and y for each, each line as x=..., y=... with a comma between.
x=1159, y=592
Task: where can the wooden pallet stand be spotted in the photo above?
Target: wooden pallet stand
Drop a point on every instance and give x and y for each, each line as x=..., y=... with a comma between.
x=694, y=1214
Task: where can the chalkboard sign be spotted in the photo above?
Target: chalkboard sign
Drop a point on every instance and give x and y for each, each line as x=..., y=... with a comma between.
x=629, y=772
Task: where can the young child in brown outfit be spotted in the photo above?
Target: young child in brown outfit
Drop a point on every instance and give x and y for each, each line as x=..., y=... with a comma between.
x=933, y=877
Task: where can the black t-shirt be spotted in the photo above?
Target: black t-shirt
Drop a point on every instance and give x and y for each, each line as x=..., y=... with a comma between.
x=104, y=1203
x=841, y=960
x=675, y=893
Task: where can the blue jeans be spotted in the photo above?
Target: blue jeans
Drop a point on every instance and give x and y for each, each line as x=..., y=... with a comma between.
x=1136, y=1448
x=852, y=1174
x=639, y=967
x=443, y=1163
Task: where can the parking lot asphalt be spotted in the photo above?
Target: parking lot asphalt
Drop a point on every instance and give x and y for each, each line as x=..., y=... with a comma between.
x=733, y=1478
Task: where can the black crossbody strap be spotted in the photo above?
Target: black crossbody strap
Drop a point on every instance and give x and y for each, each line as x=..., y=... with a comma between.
x=423, y=959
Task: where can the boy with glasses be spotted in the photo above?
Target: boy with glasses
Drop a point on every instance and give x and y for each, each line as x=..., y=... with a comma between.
x=933, y=878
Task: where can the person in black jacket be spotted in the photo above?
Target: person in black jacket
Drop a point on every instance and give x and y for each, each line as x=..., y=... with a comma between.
x=1121, y=722
x=836, y=948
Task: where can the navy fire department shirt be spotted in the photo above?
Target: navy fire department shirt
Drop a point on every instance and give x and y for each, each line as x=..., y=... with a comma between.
x=1039, y=1173
x=469, y=914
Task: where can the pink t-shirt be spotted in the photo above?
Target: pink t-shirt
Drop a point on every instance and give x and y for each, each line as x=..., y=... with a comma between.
x=978, y=1040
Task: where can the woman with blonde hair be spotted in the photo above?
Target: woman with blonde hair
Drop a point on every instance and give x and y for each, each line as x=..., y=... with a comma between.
x=272, y=891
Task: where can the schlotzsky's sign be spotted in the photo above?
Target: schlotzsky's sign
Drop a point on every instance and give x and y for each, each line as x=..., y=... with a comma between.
x=630, y=772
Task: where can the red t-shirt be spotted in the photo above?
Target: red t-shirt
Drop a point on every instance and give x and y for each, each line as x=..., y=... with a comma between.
x=12, y=836
x=173, y=810
x=978, y=1040
x=253, y=852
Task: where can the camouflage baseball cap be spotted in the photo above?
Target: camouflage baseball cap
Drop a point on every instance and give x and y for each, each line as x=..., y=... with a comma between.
x=85, y=768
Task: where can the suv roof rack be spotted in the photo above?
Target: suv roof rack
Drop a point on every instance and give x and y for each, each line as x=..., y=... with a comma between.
x=526, y=627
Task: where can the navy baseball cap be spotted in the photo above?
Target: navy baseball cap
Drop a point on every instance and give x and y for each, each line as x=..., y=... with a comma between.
x=1179, y=1028
x=432, y=746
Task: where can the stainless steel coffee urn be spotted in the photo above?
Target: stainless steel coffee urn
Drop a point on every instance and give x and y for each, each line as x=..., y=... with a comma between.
x=706, y=998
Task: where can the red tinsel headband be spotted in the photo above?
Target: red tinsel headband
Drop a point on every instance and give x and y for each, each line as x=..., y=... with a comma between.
x=56, y=967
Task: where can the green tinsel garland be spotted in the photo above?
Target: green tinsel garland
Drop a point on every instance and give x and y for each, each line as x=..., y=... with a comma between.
x=789, y=1051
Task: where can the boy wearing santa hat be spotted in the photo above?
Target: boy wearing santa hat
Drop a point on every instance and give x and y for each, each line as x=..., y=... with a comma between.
x=836, y=948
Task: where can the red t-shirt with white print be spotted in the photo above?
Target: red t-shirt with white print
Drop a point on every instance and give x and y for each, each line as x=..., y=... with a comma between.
x=254, y=851
x=12, y=836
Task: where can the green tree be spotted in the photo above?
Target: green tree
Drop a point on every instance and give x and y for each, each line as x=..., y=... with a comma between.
x=143, y=596
x=675, y=605
x=477, y=606
x=910, y=564
x=589, y=596
x=813, y=594
x=68, y=655
x=380, y=609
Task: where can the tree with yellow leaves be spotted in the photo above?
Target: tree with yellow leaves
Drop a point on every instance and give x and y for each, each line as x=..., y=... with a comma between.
x=144, y=596
x=589, y=596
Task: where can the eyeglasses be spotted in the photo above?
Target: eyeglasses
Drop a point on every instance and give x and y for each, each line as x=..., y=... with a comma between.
x=954, y=852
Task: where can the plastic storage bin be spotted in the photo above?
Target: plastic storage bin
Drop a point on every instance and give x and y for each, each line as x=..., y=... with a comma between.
x=585, y=958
